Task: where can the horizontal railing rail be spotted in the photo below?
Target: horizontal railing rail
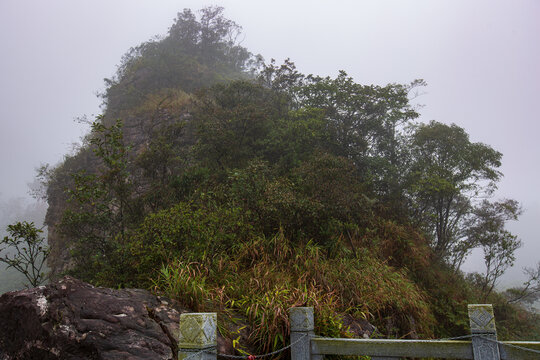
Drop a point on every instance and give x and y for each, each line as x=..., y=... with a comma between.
x=448, y=349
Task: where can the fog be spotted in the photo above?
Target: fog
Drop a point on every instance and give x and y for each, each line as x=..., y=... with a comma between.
x=480, y=60
x=12, y=210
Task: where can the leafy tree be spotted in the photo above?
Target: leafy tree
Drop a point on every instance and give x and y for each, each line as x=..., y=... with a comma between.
x=498, y=245
x=31, y=251
x=212, y=38
x=364, y=124
x=284, y=80
x=447, y=172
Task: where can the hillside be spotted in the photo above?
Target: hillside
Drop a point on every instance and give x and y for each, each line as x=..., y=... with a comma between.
x=244, y=187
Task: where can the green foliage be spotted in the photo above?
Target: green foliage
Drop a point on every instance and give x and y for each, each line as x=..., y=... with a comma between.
x=233, y=121
x=514, y=321
x=102, y=203
x=185, y=231
x=295, y=137
x=164, y=165
x=447, y=173
x=31, y=251
x=363, y=124
x=185, y=282
x=333, y=182
x=497, y=243
x=197, y=52
x=265, y=276
x=248, y=193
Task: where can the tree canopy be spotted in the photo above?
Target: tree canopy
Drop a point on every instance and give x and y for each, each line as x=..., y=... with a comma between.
x=447, y=173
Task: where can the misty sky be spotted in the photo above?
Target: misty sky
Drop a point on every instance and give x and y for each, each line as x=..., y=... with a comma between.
x=481, y=60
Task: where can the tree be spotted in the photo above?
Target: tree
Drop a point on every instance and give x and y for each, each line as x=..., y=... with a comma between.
x=363, y=118
x=212, y=38
x=488, y=232
x=31, y=251
x=364, y=124
x=102, y=202
x=201, y=49
x=529, y=293
x=447, y=172
x=232, y=123
x=285, y=80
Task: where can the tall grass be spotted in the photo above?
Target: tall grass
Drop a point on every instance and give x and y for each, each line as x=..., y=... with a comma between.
x=267, y=276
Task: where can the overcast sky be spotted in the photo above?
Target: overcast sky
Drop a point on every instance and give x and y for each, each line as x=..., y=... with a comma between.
x=481, y=60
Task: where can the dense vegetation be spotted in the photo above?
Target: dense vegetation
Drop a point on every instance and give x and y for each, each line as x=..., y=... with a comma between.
x=248, y=188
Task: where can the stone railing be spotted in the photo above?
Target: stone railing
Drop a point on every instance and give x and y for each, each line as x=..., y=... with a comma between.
x=198, y=341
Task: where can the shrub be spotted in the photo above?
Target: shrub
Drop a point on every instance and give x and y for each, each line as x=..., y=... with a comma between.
x=186, y=231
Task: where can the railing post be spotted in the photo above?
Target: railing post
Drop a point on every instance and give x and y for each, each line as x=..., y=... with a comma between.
x=197, y=336
x=483, y=331
x=302, y=330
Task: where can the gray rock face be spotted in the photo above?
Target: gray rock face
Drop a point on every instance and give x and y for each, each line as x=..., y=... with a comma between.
x=70, y=319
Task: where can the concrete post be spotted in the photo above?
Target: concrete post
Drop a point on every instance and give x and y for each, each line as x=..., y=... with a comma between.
x=302, y=329
x=482, y=323
x=197, y=333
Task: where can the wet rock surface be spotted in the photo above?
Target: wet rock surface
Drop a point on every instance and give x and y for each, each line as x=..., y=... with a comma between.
x=70, y=319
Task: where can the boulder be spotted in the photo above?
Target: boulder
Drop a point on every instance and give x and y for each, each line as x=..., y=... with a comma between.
x=70, y=319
